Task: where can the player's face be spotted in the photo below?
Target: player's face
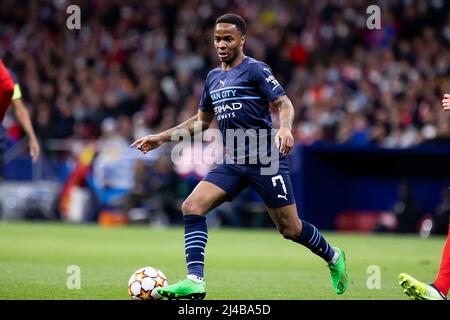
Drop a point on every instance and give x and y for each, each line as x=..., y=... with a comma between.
x=228, y=41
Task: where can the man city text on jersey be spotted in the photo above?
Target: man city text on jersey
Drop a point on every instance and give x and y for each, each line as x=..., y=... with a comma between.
x=240, y=100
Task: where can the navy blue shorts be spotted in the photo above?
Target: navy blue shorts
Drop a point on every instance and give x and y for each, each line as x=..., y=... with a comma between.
x=275, y=189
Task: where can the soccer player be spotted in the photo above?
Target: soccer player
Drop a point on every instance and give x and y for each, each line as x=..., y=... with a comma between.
x=10, y=93
x=438, y=290
x=6, y=90
x=238, y=93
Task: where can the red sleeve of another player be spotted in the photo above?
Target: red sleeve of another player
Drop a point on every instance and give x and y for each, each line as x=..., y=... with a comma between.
x=6, y=90
x=4, y=74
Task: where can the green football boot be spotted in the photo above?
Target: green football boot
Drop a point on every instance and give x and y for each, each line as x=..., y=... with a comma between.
x=186, y=289
x=338, y=272
x=418, y=290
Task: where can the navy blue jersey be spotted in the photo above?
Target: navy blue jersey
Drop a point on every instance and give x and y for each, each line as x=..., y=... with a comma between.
x=240, y=99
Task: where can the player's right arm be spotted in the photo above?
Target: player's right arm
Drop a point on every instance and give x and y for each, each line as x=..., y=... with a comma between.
x=23, y=117
x=153, y=141
x=446, y=102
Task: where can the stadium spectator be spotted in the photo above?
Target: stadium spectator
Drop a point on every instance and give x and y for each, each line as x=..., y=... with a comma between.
x=441, y=219
x=113, y=166
x=152, y=196
x=406, y=213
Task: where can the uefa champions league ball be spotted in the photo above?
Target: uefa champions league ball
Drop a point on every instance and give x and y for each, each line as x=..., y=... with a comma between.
x=144, y=282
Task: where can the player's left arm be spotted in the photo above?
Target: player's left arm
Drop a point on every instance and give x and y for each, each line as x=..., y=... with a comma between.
x=284, y=138
x=273, y=91
x=24, y=119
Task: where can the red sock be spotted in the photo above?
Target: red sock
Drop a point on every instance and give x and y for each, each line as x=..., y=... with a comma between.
x=442, y=282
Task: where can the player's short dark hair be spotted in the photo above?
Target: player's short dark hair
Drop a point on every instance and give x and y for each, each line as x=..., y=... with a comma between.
x=235, y=19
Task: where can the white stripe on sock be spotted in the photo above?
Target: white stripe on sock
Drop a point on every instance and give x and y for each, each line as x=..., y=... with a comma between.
x=195, y=241
x=194, y=237
x=195, y=232
x=192, y=262
x=190, y=247
x=317, y=240
x=313, y=236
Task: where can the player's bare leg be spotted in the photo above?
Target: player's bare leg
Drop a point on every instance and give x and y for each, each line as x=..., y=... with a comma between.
x=205, y=197
x=291, y=227
x=287, y=221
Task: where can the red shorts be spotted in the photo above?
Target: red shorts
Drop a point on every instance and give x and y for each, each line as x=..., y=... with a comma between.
x=6, y=90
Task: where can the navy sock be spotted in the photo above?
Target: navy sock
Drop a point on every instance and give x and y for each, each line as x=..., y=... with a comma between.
x=195, y=238
x=313, y=240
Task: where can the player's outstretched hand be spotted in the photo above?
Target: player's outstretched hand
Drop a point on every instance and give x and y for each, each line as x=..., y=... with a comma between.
x=147, y=143
x=284, y=140
x=446, y=102
x=35, y=149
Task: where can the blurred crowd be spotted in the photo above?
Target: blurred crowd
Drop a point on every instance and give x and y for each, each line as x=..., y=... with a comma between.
x=137, y=67
x=144, y=62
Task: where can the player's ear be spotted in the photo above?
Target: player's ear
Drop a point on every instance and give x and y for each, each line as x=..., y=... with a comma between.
x=243, y=39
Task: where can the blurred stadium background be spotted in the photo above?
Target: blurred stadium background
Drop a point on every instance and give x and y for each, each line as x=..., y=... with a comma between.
x=373, y=144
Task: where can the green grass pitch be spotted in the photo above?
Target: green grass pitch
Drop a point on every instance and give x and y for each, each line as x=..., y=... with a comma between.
x=240, y=264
